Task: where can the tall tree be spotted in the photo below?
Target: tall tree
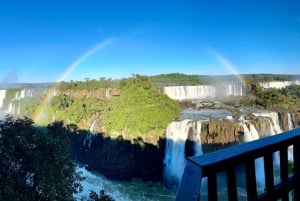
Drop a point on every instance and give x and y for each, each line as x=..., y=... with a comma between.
x=35, y=165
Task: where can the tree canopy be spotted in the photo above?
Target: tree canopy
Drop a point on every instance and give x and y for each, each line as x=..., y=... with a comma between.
x=35, y=165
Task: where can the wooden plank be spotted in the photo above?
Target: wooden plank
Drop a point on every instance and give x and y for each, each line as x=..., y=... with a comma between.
x=190, y=183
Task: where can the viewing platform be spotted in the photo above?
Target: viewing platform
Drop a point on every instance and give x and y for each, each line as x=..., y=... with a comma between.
x=284, y=185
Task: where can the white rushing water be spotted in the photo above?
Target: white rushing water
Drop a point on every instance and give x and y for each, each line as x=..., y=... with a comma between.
x=278, y=84
x=190, y=92
x=2, y=97
x=205, y=91
x=87, y=142
x=177, y=135
x=251, y=134
x=123, y=190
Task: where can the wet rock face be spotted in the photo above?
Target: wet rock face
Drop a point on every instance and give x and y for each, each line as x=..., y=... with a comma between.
x=262, y=126
x=283, y=120
x=217, y=134
x=297, y=118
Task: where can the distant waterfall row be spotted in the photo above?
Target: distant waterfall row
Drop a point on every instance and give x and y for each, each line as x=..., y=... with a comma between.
x=278, y=84
x=219, y=90
x=205, y=91
x=179, y=133
x=11, y=99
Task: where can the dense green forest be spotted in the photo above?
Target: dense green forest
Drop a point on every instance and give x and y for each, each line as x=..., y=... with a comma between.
x=287, y=98
x=184, y=79
x=35, y=164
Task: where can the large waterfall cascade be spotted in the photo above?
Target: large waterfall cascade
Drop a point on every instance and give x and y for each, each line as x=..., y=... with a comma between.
x=177, y=135
x=190, y=92
x=205, y=91
x=249, y=135
x=2, y=97
x=181, y=93
x=178, y=132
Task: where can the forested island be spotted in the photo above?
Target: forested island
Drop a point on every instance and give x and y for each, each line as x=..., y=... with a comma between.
x=117, y=127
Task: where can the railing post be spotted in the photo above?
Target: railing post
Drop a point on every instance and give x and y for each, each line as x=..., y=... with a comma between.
x=269, y=173
x=297, y=170
x=284, y=169
x=190, y=183
x=231, y=184
x=251, y=179
x=209, y=165
x=212, y=187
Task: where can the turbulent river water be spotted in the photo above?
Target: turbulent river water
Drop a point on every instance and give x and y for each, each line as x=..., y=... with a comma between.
x=123, y=190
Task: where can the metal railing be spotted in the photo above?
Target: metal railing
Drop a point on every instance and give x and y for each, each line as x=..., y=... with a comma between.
x=227, y=160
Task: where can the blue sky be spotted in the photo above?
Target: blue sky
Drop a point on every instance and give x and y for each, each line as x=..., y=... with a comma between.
x=45, y=41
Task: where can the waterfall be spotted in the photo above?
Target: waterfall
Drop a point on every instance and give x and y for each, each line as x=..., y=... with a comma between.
x=274, y=129
x=276, y=84
x=204, y=91
x=249, y=135
x=177, y=134
x=2, y=97
x=19, y=109
x=234, y=89
x=290, y=122
x=88, y=139
x=107, y=93
x=274, y=122
x=197, y=139
x=290, y=149
x=190, y=92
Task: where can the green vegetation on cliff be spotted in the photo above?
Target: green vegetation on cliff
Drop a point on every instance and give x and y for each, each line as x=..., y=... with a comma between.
x=131, y=107
x=140, y=109
x=286, y=98
x=177, y=78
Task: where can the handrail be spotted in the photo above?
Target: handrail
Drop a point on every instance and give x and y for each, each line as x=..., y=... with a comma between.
x=226, y=160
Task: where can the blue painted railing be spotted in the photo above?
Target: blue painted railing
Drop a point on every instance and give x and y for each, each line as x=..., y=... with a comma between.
x=244, y=155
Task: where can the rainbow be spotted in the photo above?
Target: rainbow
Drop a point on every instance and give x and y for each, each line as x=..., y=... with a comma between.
x=227, y=64
x=39, y=114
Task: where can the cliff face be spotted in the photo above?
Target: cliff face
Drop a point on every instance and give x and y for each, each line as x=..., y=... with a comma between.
x=99, y=93
x=296, y=118
x=217, y=134
x=119, y=158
